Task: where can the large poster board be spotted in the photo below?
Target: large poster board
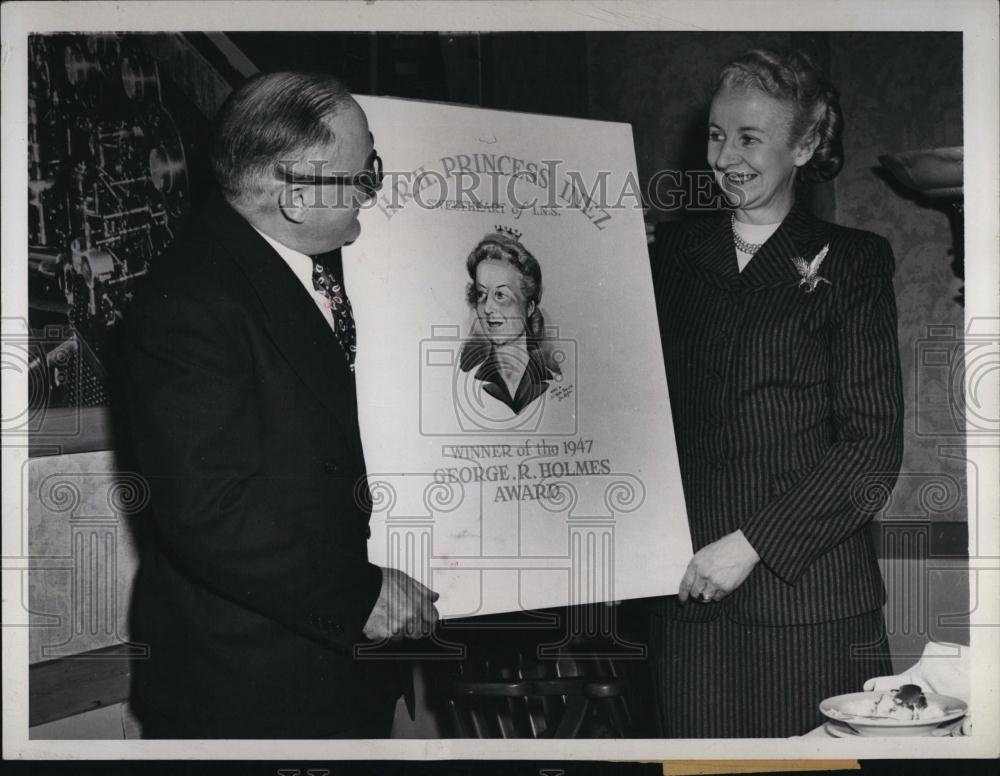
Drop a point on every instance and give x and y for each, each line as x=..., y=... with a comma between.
x=505, y=494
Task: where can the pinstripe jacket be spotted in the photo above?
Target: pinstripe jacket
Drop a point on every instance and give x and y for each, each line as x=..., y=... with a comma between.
x=787, y=407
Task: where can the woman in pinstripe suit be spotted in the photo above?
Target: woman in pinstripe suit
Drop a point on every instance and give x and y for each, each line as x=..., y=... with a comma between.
x=779, y=335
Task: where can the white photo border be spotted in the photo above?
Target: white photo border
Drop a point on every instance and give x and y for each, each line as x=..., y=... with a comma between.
x=976, y=19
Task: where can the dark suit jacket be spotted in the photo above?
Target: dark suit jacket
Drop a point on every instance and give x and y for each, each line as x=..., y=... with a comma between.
x=244, y=420
x=787, y=408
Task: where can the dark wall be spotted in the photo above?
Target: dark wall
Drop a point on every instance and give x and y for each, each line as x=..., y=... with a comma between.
x=904, y=93
x=537, y=73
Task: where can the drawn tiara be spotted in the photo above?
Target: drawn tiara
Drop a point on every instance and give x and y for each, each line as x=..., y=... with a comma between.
x=507, y=230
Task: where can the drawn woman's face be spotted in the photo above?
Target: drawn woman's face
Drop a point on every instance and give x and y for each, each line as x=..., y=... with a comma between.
x=500, y=305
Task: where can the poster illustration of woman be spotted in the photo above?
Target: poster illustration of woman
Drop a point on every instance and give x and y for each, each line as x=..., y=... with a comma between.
x=497, y=414
x=506, y=353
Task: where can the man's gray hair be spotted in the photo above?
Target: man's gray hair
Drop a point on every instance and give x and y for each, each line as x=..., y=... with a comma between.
x=271, y=118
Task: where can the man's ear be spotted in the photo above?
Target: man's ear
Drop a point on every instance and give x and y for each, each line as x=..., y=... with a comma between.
x=292, y=202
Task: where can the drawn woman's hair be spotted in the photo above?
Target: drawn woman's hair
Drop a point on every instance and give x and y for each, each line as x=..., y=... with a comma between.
x=504, y=245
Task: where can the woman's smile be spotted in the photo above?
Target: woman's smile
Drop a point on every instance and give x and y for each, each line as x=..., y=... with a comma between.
x=754, y=159
x=740, y=178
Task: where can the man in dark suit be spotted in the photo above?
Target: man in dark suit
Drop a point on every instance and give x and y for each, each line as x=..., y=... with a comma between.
x=255, y=587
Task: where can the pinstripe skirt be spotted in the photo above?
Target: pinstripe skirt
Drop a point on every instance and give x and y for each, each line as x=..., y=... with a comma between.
x=723, y=679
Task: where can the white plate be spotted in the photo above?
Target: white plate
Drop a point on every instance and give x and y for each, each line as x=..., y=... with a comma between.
x=867, y=726
x=840, y=730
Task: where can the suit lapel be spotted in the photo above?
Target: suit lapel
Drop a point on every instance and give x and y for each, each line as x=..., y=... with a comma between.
x=292, y=320
x=710, y=251
x=800, y=234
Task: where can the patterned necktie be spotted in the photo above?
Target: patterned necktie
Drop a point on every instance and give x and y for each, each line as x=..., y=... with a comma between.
x=340, y=306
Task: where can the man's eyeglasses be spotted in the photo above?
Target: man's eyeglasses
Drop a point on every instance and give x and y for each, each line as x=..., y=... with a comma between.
x=369, y=181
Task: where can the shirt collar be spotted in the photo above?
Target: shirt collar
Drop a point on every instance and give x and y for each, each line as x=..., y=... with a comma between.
x=300, y=263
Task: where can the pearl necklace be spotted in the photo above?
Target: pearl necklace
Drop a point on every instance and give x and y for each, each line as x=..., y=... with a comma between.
x=742, y=245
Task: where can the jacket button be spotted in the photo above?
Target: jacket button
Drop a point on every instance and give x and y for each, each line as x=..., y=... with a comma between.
x=330, y=467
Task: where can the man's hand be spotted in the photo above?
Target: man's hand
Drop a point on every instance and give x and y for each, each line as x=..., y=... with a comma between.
x=404, y=608
x=717, y=569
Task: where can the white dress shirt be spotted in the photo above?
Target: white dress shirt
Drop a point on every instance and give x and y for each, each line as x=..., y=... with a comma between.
x=302, y=266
